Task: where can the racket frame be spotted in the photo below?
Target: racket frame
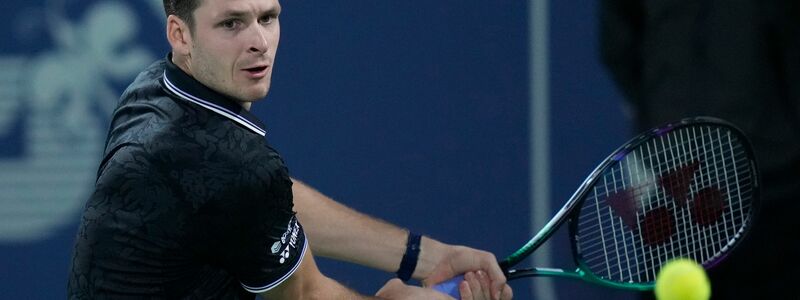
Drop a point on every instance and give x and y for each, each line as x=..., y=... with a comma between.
x=570, y=211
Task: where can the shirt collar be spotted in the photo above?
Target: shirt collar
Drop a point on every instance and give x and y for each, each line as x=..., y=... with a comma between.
x=185, y=87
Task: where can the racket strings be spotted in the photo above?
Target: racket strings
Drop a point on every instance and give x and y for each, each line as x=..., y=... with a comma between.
x=683, y=194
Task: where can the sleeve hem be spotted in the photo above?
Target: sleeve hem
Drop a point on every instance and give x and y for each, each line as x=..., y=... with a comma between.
x=269, y=286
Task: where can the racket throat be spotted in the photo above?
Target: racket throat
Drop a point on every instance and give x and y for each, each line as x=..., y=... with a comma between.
x=548, y=272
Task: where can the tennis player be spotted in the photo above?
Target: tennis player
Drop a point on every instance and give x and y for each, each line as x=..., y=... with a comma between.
x=192, y=202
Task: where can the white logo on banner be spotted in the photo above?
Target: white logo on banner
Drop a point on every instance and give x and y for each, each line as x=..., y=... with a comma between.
x=57, y=102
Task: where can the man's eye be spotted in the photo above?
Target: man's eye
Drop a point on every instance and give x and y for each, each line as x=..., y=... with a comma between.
x=230, y=24
x=267, y=19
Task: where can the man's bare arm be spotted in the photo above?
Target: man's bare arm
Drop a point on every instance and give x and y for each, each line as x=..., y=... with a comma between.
x=341, y=233
x=308, y=283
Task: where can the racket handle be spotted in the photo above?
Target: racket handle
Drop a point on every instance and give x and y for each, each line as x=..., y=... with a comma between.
x=450, y=287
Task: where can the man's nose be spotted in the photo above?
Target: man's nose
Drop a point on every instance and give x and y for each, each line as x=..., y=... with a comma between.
x=259, y=40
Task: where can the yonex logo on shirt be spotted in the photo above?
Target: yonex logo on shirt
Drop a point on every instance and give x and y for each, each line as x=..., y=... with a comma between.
x=292, y=231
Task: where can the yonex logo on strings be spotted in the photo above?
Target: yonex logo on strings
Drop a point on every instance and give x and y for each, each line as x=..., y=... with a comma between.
x=706, y=205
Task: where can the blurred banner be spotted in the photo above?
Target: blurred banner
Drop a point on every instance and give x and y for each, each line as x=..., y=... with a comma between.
x=416, y=112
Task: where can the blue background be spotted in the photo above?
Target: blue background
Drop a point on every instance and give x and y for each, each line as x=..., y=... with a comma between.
x=416, y=112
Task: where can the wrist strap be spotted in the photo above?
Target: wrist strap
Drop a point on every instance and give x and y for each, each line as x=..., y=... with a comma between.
x=409, y=262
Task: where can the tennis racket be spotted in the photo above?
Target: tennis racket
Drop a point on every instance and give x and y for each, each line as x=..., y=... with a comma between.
x=686, y=189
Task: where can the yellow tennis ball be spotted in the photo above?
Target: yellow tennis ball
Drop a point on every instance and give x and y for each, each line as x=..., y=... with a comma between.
x=682, y=279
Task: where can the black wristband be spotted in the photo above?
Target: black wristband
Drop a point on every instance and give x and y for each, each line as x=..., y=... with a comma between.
x=409, y=262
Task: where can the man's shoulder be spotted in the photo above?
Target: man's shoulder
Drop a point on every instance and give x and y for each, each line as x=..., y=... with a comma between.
x=150, y=75
x=147, y=82
x=150, y=116
x=145, y=110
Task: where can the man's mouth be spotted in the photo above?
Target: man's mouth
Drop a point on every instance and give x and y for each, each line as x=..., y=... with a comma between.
x=256, y=72
x=256, y=69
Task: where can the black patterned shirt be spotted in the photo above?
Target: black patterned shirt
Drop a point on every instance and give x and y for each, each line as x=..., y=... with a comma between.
x=190, y=201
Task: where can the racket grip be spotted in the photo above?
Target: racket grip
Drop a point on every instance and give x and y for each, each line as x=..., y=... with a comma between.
x=450, y=287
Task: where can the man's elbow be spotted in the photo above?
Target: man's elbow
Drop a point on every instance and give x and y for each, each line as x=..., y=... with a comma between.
x=304, y=288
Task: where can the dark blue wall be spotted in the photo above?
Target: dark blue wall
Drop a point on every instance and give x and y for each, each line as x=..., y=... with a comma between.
x=416, y=112
x=413, y=111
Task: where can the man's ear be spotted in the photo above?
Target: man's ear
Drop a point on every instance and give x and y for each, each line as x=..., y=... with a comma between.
x=179, y=35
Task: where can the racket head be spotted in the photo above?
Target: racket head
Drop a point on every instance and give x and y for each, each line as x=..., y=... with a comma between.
x=685, y=189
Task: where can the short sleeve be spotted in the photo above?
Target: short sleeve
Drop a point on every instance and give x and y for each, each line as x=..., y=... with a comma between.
x=266, y=262
x=262, y=241
x=229, y=212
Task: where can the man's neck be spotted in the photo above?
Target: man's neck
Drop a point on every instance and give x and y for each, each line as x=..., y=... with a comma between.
x=183, y=63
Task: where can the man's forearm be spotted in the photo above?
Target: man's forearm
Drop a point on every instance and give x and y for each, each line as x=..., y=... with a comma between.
x=341, y=233
x=338, y=232
x=308, y=283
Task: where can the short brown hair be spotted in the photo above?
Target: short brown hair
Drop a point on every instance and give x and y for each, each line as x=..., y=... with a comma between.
x=182, y=9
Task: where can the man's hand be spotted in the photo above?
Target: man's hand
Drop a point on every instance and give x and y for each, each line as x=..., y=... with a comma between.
x=395, y=289
x=457, y=260
x=474, y=287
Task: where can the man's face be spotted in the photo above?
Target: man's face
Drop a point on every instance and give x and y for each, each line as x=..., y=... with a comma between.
x=233, y=46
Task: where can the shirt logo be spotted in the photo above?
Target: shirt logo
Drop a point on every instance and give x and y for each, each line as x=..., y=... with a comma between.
x=276, y=247
x=288, y=240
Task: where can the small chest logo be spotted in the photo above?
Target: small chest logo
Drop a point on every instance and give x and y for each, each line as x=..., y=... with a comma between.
x=276, y=247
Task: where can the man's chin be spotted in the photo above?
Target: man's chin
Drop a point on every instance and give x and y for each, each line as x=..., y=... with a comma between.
x=245, y=100
x=257, y=92
x=258, y=97
x=253, y=95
